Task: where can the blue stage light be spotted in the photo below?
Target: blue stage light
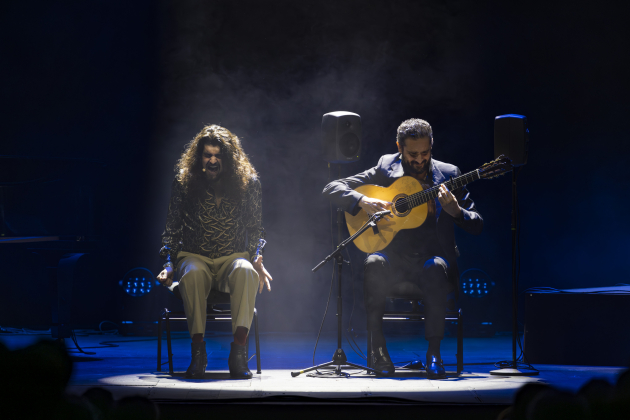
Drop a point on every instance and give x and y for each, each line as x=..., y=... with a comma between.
x=138, y=282
x=477, y=280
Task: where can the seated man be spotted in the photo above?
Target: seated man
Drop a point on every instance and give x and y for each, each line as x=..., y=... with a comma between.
x=212, y=230
x=425, y=255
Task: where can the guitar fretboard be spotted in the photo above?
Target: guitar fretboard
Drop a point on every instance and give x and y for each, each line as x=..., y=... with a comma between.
x=421, y=197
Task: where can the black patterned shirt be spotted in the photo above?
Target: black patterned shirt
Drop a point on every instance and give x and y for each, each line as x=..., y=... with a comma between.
x=201, y=226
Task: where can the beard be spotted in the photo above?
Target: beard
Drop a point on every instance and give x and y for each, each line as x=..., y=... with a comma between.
x=421, y=169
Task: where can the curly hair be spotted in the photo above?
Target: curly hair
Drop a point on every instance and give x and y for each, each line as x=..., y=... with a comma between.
x=238, y=171
x=415, y=128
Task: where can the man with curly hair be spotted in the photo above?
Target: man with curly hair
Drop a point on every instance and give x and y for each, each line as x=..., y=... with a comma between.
x=213, y=227
x=420, y=261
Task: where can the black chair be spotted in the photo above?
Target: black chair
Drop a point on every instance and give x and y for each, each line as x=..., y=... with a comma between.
x=213, y=314
x=410, y=292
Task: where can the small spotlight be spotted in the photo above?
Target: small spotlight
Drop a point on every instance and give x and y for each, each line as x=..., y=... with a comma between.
x=476, y=279
x=139, y=281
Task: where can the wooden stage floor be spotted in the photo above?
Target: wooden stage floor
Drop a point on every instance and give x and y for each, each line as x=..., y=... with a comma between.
x=127, y=366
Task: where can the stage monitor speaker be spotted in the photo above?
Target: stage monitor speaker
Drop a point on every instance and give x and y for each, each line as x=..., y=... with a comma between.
x=588, y=328
x=140, y=301
x=511, y=138
x=341, y=136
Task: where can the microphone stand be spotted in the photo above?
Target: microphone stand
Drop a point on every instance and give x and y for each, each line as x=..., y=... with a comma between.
x=339, y=358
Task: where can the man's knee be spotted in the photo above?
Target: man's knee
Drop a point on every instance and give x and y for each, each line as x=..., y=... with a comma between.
x=245, y=271
x=436, y=275
x=192, y=270
x=375, y=273
x=375, y=264
x=436, y=264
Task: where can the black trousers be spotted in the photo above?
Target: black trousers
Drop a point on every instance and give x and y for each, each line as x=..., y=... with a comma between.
x=392, y=274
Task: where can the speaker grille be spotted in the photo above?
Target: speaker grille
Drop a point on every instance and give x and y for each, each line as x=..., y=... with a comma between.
x=349, y=145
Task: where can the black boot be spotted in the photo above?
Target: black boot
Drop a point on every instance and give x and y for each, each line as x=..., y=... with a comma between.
x=197, y=367
x=237, y=362
x=382, y=364
x=435, y=367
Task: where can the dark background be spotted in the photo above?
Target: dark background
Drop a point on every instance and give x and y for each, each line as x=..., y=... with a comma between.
x=125, y=85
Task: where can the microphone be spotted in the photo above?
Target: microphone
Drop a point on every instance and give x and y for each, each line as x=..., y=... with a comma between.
x=380, y=214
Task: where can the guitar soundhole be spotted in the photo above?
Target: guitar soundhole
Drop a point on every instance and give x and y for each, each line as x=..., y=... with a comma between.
x=401, y=206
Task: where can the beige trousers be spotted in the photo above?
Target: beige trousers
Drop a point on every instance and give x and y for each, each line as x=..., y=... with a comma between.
x=232, y=274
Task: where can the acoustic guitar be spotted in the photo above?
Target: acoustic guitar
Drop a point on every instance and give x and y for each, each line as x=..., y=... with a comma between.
x=409, y=204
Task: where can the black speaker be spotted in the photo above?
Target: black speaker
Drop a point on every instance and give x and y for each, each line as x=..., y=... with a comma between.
x=511, y=138
x=583, y=327
x=341, y=136
x=139, y=300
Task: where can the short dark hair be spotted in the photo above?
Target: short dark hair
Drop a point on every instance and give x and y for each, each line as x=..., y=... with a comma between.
x=415, y=128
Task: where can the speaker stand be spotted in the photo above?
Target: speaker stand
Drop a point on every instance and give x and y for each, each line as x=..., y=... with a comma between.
x=513, y=370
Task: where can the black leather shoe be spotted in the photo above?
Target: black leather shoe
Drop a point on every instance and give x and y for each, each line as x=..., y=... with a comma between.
x=435, y=368
x=382, y=363
x=237, y=362
x=197, y=368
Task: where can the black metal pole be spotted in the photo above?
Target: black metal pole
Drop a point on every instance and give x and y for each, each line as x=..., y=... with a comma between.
x=513, y=369
x=3, y=230
x=339, y=267
x=514, y=285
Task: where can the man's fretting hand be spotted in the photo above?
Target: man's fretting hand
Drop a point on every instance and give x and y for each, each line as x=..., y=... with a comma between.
x=449, y=202
x=263, y=275
x=166, y=276
x=374, y=205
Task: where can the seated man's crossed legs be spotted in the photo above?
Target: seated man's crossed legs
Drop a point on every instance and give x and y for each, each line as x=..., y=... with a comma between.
x=381, y=273
x=199, y=275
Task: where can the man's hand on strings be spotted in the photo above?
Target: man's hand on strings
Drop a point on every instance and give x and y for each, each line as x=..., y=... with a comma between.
x=263, y=275
x=449, y=202
x=374, y=205
x=166, y=276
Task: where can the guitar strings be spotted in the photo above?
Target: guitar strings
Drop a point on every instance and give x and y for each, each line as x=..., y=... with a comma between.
x=425, y=195
x=422, y=197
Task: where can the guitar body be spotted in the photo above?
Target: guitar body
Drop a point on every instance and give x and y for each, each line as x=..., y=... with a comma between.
x=369, y=242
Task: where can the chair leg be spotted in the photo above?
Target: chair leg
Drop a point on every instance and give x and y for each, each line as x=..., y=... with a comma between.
x=369, y=349
x=159, y=343
x=257, y=340
x=247, y=346
x=460, y=343
x=168, y=344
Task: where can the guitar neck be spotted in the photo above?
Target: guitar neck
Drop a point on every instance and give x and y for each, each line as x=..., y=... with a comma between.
x=425, y=196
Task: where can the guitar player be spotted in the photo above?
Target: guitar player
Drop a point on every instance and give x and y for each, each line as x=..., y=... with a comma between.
x=422, y=259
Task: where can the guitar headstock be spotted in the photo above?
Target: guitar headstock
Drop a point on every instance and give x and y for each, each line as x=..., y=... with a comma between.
x=497, y=167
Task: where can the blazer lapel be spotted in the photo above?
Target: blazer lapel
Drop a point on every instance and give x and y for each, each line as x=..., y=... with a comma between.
x=438, y=178
x=396, y=170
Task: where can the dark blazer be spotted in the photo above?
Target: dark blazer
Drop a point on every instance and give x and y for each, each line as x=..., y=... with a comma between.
x=388, y=170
